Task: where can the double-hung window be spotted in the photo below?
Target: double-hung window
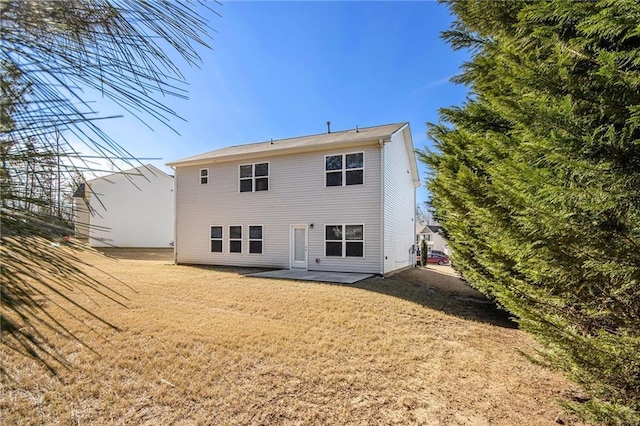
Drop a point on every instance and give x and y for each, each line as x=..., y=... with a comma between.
x=216, y=239
x=254, y=177
x=255, y=239
x=235, y=239
x=204, y=176
x=344, y=241
x=344, y=169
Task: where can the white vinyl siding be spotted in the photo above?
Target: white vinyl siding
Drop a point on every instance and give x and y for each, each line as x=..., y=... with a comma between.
x=135, y=209
x=399, y=203
x=296, y=195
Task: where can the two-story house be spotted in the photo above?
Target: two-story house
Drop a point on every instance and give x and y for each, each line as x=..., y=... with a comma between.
x=341, y=201
x=433, y=236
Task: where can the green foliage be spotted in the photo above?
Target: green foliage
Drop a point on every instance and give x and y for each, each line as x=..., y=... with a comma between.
x=536, y=181
x=424, y=252
x=55, y=54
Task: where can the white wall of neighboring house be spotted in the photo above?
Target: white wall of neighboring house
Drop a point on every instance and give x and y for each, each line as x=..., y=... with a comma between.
x=134, y=208
x=297, y=196
x=82, y=218
x=399, y=202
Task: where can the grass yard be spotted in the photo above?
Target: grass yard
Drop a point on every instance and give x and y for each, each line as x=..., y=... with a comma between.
x=204, y=345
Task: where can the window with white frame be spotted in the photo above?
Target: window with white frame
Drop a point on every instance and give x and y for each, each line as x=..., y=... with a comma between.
x=216, y=239
x=235, y=239
x=255, y=239
x=344, y=169
x=254, y=177
x=344, y=241
x=204, y=176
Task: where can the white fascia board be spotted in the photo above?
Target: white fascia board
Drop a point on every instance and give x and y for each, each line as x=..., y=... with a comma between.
x=413, y=164
x=273, y=153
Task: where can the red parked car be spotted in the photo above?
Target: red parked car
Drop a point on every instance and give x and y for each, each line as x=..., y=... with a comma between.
x=440, y=259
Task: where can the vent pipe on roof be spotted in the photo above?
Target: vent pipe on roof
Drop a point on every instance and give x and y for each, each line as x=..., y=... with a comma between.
x=328, y=127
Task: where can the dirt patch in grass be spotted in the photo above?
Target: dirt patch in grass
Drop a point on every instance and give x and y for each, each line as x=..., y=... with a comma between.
x=204, y=345
x=163, y=254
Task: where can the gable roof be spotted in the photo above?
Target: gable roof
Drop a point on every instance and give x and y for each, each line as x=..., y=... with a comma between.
x=430, y=229
x=302, y=143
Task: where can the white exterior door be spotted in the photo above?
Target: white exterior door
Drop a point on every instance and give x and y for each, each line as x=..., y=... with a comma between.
x=298, y=246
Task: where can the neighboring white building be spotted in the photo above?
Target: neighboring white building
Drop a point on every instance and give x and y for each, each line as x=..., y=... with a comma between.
x=432, y=235
x=133, y=208
x=341, y=201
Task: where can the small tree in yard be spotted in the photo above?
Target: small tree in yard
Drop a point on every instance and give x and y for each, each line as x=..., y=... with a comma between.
x=423, y=252
x=536, y=181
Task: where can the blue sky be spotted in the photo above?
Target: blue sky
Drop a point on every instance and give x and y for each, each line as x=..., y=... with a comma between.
x=282, y=69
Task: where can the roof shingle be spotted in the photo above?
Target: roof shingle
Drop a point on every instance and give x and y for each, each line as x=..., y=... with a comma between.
x=323, y=139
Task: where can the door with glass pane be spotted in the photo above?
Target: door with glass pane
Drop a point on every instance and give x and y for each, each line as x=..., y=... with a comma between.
x=299, y=246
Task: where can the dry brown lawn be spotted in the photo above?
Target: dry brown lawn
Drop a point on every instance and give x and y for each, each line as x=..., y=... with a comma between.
x=204, y=345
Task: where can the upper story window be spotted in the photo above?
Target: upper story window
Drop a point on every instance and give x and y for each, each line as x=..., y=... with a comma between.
x=344, y=169
x=254, y=177
x=204, y=176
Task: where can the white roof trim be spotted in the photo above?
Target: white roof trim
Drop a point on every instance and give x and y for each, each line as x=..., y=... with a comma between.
x=134, y=172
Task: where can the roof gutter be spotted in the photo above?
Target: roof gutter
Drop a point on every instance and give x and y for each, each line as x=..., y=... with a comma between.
x=271, y=153
x=175, y=216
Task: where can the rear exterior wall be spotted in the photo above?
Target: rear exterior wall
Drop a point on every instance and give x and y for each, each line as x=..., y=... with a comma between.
x=297, y=196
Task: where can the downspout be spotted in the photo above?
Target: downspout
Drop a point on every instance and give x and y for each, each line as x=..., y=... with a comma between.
x=175, y=215
x=413, y=256
x=382, y=174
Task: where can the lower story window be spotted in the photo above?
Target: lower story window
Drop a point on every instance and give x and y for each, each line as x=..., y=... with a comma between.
x=344, y=240
x=255, y=239
x=216, y=239
x=235, y=239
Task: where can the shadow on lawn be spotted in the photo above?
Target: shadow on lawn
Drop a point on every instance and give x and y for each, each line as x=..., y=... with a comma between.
x=442, y=291
x=435, y=287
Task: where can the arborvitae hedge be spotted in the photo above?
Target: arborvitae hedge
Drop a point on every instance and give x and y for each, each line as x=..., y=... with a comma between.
x=536, y=181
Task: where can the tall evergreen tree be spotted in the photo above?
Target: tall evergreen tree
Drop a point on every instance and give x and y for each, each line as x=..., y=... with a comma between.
x=536, y=181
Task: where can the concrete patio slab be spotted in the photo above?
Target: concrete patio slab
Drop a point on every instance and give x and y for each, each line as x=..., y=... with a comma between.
x=327, y=277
